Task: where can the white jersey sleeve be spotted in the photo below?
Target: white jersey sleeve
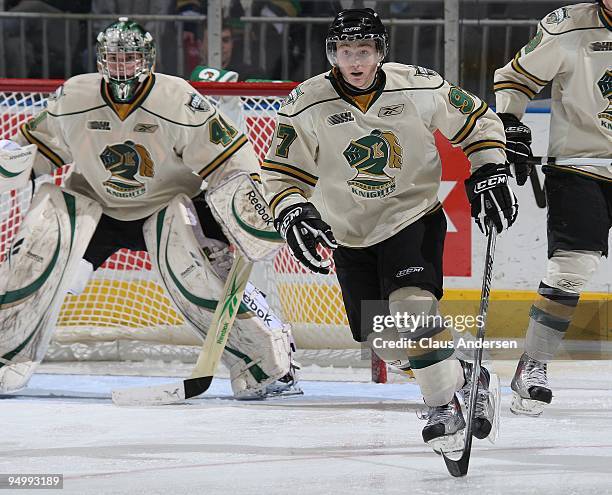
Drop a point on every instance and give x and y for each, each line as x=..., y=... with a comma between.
x=467, y=121
x=531, y=69
x=217, y=149
x=291, y=162
x=47, y=135
x=572, y=50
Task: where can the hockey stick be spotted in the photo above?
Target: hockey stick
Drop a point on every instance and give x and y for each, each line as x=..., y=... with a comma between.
x=210, y=355
x=566, y=162
x=459, y=467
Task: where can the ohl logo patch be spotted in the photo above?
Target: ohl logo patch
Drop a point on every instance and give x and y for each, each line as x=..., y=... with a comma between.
x=605, y=86
x=370, y=156
x=128, y=163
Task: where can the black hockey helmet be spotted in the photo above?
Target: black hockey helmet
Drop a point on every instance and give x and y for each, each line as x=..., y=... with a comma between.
x=356, y=24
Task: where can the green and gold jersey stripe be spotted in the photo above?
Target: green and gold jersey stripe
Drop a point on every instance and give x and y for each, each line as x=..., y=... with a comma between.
x=256, y=177
x=526, y=90
x=470, y=123
x=223, y=157
x=43, y=148
x=291, y=171
x=124, y=110
x=521, y=70
x=485, y=144
x=606, y=18
x=283, y=194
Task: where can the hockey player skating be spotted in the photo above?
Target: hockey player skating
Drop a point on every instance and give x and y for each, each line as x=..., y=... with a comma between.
x=572, y=50
x=142, y=145
x=363, y=135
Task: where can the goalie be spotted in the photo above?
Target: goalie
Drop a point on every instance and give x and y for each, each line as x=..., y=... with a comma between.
x=143, y=146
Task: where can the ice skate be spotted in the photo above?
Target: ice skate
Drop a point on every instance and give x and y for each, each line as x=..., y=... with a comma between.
x=530, y=391
x=444, y=431
x=486, y=415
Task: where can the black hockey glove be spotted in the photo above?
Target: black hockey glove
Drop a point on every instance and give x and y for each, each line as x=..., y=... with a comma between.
x=518, y=146
x=490, y=195
x=301, y=226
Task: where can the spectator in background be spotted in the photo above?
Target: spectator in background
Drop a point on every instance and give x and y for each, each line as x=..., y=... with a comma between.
x=272, y=57
x=232, y=10
x=31, y=63
x=232, y=61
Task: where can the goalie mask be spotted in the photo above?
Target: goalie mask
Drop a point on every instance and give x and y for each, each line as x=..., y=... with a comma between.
x=125, y=55
x=356, y=25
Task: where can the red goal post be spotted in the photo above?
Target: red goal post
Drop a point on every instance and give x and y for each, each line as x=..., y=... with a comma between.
x=125, y=302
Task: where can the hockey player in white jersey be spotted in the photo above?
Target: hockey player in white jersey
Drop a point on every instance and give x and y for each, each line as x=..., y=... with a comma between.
x=362, y=135
x=572, y=50
x=143, y=145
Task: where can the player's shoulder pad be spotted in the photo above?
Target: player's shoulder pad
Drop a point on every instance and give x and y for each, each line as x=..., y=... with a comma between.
x=175, y=100
x=78, y=94
x=308, y=94
x=411, y=77
x=571, y=18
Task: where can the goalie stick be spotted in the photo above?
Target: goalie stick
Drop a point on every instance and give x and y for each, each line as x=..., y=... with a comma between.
x=210, y=355
x=459, y=467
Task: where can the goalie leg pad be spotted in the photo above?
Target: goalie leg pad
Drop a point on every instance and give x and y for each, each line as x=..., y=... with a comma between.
x=177, y=247
x=43, y=257
x=258, y=349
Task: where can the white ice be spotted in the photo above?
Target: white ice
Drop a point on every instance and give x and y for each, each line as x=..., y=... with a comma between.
x=339, y=438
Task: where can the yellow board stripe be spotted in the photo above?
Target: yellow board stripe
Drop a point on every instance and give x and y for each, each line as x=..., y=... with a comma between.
x=521, y=70
x=53, y=157
x=283, y=194
x=483, y=145
x=223, y=157
x=470, y=123
x=291, y=171
x=514, y=86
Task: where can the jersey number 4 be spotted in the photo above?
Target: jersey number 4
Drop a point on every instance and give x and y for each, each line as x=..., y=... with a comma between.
x=221, y=132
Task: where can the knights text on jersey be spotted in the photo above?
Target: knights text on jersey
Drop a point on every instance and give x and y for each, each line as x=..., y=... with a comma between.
x=573, y=49
x=376, y=168
x=134, y=158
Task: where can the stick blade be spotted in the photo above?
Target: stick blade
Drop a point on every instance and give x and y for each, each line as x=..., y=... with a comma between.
x=458, y=468
x=195, y=386
x=155, y=395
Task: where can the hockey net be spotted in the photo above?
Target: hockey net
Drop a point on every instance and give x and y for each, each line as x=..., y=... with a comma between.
x=125, y=315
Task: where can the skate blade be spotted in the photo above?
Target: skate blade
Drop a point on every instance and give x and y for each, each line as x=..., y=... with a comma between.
x=526, y=407
x=449, y=444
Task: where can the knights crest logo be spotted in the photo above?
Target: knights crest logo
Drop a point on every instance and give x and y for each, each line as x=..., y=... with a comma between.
x=370, y=156
x=605, y=86
x=128, y=163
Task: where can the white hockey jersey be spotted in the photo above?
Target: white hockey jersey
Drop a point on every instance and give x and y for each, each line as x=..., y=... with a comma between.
x=374, y=162
x=573, y=49
x=133, y=158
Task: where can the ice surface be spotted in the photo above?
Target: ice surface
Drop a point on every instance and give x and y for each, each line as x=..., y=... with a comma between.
x=339, y=438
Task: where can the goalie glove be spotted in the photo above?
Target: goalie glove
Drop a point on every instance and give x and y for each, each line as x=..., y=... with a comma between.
x=301, y=226
x=518, y=146
x=490, y=196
